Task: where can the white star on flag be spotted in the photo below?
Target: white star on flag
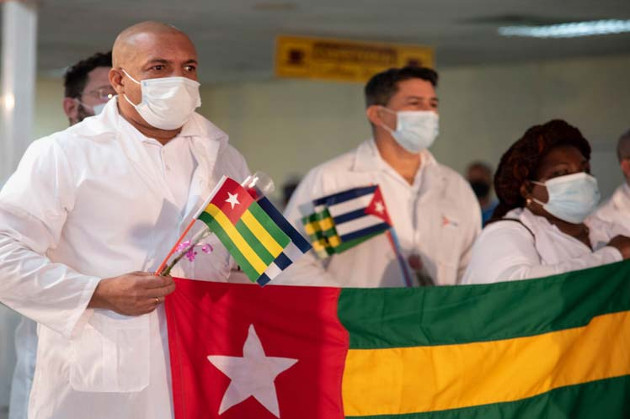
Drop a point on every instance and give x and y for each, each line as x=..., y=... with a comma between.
x=232, y=200
x=253, y=374
x=378, y=207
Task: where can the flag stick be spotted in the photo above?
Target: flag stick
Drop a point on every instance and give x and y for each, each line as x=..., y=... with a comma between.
x=393, y=240
x=253, y=189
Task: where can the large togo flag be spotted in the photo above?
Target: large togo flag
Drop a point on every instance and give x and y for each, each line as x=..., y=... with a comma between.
x=556, y=347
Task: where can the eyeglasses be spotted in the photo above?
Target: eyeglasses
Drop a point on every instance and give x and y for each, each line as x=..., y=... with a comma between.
x=103, y=93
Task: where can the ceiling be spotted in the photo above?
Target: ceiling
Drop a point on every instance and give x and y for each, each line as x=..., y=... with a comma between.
x=235, y=38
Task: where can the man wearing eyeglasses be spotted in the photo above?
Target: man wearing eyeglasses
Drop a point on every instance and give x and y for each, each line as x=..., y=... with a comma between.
x=86, y=91
x=87, y=87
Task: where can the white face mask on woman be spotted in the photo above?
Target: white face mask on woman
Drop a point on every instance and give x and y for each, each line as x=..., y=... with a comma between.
x=168, y=102
x=572, y=197
x=415, y=130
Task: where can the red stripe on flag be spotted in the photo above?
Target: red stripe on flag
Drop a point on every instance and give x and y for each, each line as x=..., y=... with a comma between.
x=377, y=206
x=215, y=319
x=232, y=199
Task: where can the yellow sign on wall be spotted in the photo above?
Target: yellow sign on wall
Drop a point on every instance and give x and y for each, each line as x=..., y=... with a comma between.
x=334, y=59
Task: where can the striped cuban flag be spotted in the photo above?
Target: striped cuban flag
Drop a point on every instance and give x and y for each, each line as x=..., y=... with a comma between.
x=346, y=219
x=253, y=238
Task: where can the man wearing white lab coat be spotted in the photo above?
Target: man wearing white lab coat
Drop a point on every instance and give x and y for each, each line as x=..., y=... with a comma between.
x=433, y=209
x=91, y=211
x=616, y=210
x=86, y=91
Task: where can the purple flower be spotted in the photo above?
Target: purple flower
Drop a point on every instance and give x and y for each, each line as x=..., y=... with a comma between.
x=183, y=246
x=190, y=255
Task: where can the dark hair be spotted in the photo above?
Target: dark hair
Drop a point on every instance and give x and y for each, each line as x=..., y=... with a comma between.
x=623, y=146
x=480, y=165
x=521, y=161
x=75, y=77
x=384, y=85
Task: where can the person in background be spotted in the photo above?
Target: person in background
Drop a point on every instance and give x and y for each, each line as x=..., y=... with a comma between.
x=546, y=193
x=617, y=209
x=86, y=220
x=86, y=90
x=432, y=208
x=288, y=188
x=479, y=175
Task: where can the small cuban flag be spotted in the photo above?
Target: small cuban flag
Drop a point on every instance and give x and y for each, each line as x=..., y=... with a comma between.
x=257, y=236
x=346, y=219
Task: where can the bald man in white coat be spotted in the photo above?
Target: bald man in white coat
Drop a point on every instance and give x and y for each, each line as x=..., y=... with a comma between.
x=91, y=211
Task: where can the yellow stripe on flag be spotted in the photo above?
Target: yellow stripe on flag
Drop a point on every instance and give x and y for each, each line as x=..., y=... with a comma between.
x=261, y=234
x=236, y=238
x=326, y=224
x=431, y=378
x=334, y=241
x=320, y=245
x=311, y=228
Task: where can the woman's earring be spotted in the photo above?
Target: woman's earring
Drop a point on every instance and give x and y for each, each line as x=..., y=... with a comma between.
x=528, y=202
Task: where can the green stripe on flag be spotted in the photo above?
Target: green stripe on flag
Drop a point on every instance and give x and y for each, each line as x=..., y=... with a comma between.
x=405, y=317
x=272, y=228
x=343, y=246
x=253, y=241
x=598, y=399
x=216, y=228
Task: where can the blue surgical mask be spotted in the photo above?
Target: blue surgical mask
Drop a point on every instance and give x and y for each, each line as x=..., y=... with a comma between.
x=415, y=130
x=571, y=197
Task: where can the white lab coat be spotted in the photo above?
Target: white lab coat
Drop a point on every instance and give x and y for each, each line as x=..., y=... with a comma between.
x=617, y=209
x=507, y=251
x=437, y=218
x=88, y=203
x=22, y=380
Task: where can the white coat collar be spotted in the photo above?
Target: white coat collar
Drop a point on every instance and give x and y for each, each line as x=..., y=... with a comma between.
x=368, y=159
x=207, y=141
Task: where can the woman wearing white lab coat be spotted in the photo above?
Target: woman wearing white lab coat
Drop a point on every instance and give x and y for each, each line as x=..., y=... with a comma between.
x=545, y=193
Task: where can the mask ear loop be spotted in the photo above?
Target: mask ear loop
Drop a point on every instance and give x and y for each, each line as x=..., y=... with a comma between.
x=385, y=127
x=531, y=199
x=125, y=95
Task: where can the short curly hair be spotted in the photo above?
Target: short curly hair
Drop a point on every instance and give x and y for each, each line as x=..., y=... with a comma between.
x=75, y=78
x=522, y=159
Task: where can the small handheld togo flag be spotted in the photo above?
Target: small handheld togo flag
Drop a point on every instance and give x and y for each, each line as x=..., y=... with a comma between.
x=261, y=241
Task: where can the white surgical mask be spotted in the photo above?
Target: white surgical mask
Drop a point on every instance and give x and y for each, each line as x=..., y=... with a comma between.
x=415, y=130
x=571, y=197
x=168, y=102
x=96, y=109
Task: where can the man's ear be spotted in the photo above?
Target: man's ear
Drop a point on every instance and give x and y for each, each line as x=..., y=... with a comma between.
x=71, y=108
x=373, y=113
x=116, y=80
x=625, y=168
